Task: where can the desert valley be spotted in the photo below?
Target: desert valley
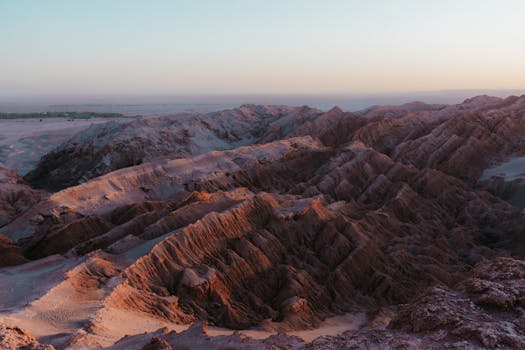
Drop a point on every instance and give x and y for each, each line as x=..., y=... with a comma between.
x=266, y=227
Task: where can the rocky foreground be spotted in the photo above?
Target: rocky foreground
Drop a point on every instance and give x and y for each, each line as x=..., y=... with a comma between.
x=272, y=220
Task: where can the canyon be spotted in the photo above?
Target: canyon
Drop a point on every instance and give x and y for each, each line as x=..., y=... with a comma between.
x=271, y=227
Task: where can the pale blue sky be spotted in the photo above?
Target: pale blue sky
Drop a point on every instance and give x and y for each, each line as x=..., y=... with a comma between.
x=260, y=46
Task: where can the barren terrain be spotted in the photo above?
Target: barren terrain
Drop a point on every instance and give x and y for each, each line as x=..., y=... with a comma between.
x=267, y=227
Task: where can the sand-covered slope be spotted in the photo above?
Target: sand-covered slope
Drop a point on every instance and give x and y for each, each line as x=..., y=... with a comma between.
x=24, y=141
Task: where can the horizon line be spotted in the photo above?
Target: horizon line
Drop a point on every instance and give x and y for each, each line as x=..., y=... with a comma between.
x=248, y=94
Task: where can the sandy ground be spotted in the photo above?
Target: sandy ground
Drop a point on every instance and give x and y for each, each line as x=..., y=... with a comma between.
x=330, y=326
x=24, y=141
x=42, y=297
x=24, y=283
x=113, y=324
x=511, y=170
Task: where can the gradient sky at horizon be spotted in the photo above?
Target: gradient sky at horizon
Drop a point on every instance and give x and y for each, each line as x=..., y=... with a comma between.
x=259, y=46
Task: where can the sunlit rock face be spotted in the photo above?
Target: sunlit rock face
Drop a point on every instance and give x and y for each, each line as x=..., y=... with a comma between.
x=275, y=219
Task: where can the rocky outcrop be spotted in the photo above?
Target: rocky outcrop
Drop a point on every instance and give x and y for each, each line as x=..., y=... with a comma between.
x=15, y=199
x=10, y=253
x=14, y=338
x=485, y=309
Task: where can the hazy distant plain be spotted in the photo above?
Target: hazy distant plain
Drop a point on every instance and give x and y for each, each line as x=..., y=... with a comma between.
x=166, y=104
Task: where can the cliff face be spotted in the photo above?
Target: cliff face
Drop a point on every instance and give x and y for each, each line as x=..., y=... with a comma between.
x=301, y=216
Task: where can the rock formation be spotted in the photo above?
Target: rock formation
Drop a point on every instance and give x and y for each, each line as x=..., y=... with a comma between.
x=283, y=218
x=14, y=338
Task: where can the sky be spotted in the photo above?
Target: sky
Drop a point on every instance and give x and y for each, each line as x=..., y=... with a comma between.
x=259, y=46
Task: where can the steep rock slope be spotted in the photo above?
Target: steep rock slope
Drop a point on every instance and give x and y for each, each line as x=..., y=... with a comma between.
x=15, y=196
x=15, y=199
